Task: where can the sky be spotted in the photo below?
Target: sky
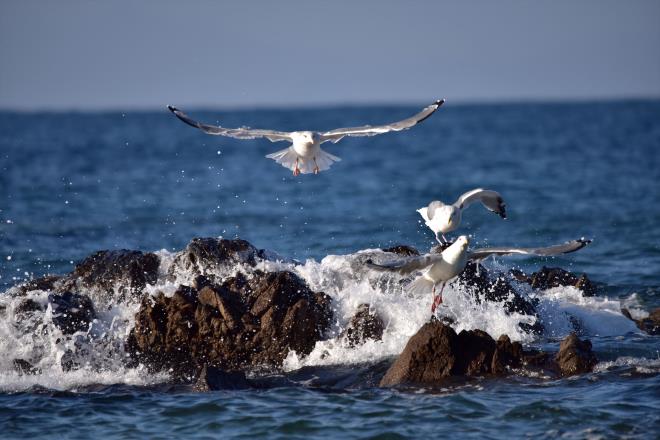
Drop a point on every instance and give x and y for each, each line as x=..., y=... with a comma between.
x=125, y=54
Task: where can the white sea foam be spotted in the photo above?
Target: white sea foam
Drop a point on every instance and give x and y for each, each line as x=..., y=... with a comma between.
x=100, y=350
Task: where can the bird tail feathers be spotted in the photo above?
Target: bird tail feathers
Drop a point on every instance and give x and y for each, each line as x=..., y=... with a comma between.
x=287, y=158
x=420, y=286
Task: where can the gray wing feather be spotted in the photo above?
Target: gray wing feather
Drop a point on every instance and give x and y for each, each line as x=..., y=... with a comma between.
x=238, y=133
x=368, y=130
x=492, y=200
x=405, y=265
x=565, y=248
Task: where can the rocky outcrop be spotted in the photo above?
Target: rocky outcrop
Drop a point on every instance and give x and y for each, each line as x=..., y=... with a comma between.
x=213, y=256
x=364, y=325
x=46, y=283
x=650, y=324
x=214, y=379
x=402, y=249
x=24, y=368
x=436, y=352
x=239, y=324
x=549, y=277
x=113, y=276
x=575, y=356
x=72, y=312
x=487, y=287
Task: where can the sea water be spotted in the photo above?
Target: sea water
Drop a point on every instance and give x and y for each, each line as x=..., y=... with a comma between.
x=75, y=183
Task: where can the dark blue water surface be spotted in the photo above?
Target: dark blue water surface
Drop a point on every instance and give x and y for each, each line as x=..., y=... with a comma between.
x=74, y=183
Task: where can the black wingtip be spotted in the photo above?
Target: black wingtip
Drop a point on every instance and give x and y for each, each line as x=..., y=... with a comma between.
x=439, y=102
x=172, y=108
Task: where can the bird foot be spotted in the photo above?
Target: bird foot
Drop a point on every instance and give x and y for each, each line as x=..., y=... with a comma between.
x=296, y=171
x=437, y=300
x=316, y=170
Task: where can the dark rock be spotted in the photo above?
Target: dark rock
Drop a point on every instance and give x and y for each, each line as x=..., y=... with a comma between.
x=27, y=307
x=575, y=356
x=485, y=287
x=69, y=361
x=650, y=324
x=205, y=256
x=402, y=249
x=549, y=277
x=507, y=355
x=106, y=272
x=46, y=283
x=24, y=368
x=213, y=379
x=363, y=325
x=72, y=312
x=236, y=325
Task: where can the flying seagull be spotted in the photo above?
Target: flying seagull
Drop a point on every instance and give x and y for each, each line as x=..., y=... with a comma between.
x=441, y=218
x=305, y=154
x=442, y=267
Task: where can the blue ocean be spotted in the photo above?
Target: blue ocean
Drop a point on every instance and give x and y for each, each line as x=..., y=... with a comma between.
x=73, y=183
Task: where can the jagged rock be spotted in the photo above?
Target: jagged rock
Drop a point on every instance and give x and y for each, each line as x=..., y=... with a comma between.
x=650, y=324
x=436, y=352
x=402, y=249
x=72, y=312
x=27, y=307
x=575, y=356
x=549, y=277
x=46, y=283
x=507, y=355
x=24, y=368
x=208, y=256
x=485, y=287
x=106, y=272
x=242, y=323
x=213, y=379
x=363, y=325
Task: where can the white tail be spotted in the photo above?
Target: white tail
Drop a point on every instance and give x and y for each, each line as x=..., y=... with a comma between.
x=287, y=158
x=420, y=286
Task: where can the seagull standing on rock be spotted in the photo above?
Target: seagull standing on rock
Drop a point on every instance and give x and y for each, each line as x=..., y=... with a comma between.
x=305, y=154
x=442, y=267
x=441, y=218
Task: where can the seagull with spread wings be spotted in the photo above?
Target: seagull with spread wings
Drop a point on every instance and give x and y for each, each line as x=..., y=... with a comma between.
x=439, y=268
x=305, y=154
x=441, y=218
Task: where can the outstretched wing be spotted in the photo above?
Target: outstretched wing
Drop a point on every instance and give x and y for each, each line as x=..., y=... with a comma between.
x=367, y=130
x=566, y=248
x=492, y=200
x=405, y=265
x=238, y=133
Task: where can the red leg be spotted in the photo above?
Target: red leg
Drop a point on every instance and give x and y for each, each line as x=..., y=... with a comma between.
x=437, y=299
x=296, y=170
x=316, y=167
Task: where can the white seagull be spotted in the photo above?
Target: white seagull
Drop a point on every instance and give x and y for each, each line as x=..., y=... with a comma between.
x=442, y=267
x=305, y=154
x=441, y=218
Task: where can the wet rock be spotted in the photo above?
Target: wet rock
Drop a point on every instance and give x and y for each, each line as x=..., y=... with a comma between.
x=46, y=283
x=27, y=307
x=365, y=324
x=24, y=368
x=72, y=312
x=213, y=379
x=210, y=256
x=507, y=355
x=239, y=324
x=403, y=250
x=112, y=276
x=485, y=287
x=549, y=277
x=650, y=324
x=575, y=356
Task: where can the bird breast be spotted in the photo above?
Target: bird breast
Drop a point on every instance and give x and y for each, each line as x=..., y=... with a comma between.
x=305, y=148
x=447, y=268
